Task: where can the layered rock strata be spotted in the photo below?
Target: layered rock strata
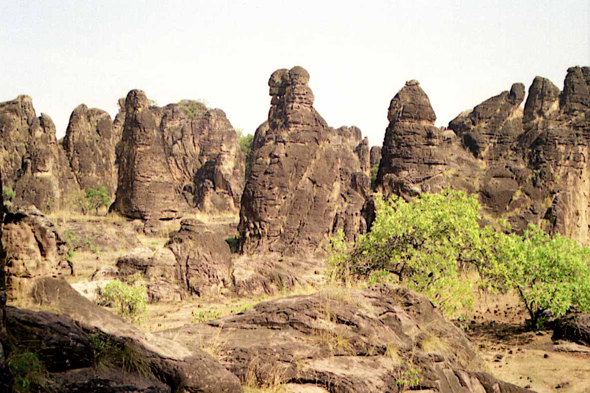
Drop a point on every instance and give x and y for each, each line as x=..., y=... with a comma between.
x=177, y=158
x=307, y=180
x=528, y=166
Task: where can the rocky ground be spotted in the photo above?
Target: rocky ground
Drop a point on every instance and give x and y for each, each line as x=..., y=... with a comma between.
x=507, y=350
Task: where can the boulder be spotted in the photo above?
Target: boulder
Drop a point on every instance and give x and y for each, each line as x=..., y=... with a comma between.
x=82, y=329
x=305, y=180
x=175, y=159
x=4, y=377
x=378, y=339
x=90, y=145
x=573, y=327
x=34, y=249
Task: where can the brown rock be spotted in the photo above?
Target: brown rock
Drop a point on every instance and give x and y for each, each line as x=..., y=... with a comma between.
x=574, y=327
x=576, y=91
x=375, y=156
x=350, y=341
x=170, y=366
x=34, y=250
x=413, y=151
x=177, y=158
x=300, y=188
x=35, y=165
x=4, y=376
x=90, y=144
x=542, y=100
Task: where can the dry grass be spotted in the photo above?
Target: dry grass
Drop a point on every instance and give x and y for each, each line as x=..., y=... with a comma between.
x=264, y=381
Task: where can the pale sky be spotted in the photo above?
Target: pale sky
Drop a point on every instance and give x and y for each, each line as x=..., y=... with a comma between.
x=358, y=53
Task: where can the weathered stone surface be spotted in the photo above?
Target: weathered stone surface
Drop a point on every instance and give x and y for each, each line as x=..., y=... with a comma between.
x=301, y=187
x=34, y=250
x=413, y=148
x=574, y=327
x=527, y=166
x=177, y=158
x=347, y=341
x=172, y=364
x=34, y=164
x=4, y=377
x=90, y=144
x=375, y=157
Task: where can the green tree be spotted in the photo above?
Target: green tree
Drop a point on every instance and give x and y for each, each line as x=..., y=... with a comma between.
x=245, y=141
x=550, y=274
x=97, y=197
x=429, y=244
x=8, y=195
x=129, y=300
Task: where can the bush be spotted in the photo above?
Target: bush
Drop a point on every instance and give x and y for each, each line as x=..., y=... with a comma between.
x=245, y=141
x=90, y=199
x=433, y=243
x=129, y=300
x=550, y=275
x=8, y=195
x=193, y=108
x=428, y=244
x=28, y=371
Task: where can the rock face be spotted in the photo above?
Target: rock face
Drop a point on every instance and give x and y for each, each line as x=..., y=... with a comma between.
x=527, y=166
x=34, y=249
x=375, y=156
x=90, y=145
x=3, y=369
x=307, y=180
x=34, y=164
x=176, y=158
x=86, y=348
x=196, y=261
x=353, y=341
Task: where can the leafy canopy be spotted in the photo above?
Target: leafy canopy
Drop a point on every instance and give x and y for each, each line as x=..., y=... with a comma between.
x=436, y=246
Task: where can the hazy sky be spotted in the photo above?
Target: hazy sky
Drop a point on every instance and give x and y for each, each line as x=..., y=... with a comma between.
x=358, y=53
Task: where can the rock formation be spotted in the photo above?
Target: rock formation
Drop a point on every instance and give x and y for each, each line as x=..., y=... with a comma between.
x=527, y=166
x=90, y=143
x=375, y=156
x=34, y=164
x=307, y=180
x=176, y=158
x=356, y=341
x=4, y=377
x=86, y=348
x=33, y=249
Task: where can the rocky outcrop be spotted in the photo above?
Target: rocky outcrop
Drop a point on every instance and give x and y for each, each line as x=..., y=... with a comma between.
x=573, y=327
x=307, y=180
x=375, y=156
x=413, y=150
x=87, y=348
x=90, y=144
x=4, y=377
x=34, y=249
x=373, y=340
x=527, y=166
x=173, y=159
x=34, y=164
x=195, y=261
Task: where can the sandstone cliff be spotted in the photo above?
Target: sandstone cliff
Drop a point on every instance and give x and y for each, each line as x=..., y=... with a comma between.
x=177, y=158
x=90, y=144
x=527, y=166
x=33, y=162
x=307, y=180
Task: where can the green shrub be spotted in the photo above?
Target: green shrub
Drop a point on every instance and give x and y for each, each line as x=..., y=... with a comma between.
x=28, y=371
x=90, y=199
x=110, y=354
x=434, y=242
x=245, y=141
x=129, y=300
x=549, y=274
x=193, y=108
x=204, y=316
x=428, y=244
x=8, y=195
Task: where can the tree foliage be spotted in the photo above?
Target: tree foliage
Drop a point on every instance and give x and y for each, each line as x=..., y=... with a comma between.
x=129, y=300
x=90, y=199
x=245, y=141
x=193, y=108
x=435, y=245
